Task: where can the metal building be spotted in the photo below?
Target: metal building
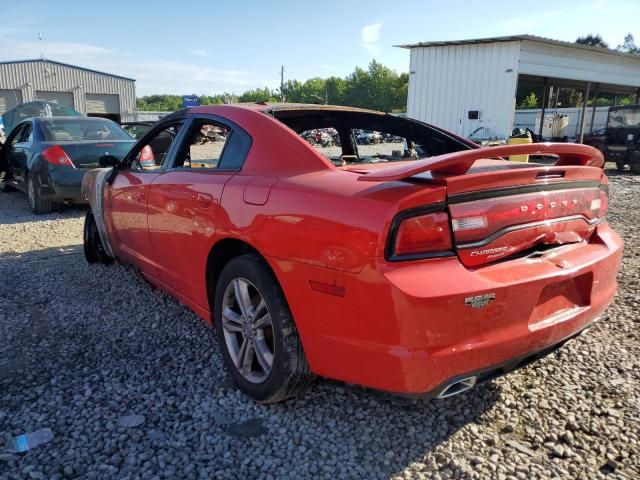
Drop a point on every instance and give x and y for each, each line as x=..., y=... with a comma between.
x=88, y=91
x=470, y=85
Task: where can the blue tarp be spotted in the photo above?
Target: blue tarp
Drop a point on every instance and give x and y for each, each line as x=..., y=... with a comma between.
x=38, y=108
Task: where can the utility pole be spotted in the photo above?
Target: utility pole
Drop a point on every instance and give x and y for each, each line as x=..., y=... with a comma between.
x=282, y=83
x=41, y=49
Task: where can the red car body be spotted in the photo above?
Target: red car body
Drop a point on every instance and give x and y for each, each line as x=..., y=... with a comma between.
x=521, y=258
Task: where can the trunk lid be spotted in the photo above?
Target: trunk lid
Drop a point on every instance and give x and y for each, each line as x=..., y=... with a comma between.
x=498, y=208
x=513, y=211
x=86, y=154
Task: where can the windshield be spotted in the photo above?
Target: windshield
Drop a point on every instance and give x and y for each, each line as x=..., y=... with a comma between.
x=628, y=117
x=78, y=129
x=136, y=130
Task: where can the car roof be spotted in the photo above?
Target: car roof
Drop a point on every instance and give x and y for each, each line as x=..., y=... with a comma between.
x=268, y=107
x=69, y=117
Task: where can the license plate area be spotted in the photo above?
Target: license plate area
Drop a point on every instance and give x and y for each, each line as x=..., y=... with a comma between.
x=562, y=300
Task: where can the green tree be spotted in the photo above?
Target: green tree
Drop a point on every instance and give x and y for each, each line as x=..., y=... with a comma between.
x=378, y=87
x=629, y=45
x=593, y=40
x=530, y=101
x=258, y=95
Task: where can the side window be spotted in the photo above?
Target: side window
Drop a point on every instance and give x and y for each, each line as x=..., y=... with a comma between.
x=151, y=155
x=18, y=135
x=27, y=133
x=204, y=145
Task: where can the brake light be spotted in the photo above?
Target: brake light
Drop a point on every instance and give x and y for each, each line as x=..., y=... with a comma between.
x=146, y=154
x=604, y=201
x=57, y=156
x=427, y=234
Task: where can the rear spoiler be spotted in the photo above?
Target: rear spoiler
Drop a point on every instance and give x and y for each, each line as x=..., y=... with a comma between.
x=457, y=163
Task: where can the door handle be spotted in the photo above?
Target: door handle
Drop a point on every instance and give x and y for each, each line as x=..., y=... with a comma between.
x=203, y=200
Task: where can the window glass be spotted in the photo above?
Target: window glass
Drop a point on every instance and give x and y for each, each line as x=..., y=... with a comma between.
x=27, y=133
x=624, y=118
x=74, y=129
x=152, y=155
x=204, y=145
x=18, y=135
x=136, y=130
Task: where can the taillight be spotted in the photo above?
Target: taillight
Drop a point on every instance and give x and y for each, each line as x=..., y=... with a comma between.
x=146, y=154
x=604, y=200
x=57, y=156
x=420, y=236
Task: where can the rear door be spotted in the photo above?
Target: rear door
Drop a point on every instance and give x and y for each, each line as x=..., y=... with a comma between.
x=184, y=201
x=127, y=200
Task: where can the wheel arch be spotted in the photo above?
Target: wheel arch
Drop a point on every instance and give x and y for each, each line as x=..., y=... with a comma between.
x=221, y=253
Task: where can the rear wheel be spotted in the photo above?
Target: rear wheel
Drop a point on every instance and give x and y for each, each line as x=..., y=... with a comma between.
x=620, y=166
x=36, y=202
x=635, y=167
x=93, y=249
x=256, y=332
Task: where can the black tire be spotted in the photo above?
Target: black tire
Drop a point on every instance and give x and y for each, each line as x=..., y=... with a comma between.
x=620, y=166
x=4, y=186
x=635, y=167
x=37, y=204
x=290, y=374
x=93, y=248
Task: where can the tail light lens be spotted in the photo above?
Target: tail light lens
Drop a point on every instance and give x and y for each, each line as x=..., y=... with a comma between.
x=421, y=236
x=57, y=156
x=604, y=200
x=146, y=154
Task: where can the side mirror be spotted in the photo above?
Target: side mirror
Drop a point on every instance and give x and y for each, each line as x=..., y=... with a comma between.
x=108, y=161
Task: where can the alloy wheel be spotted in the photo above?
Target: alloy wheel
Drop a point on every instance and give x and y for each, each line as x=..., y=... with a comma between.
x=248, y=330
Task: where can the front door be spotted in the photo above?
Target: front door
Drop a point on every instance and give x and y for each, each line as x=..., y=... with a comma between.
x=19, y=152
x=127, y=200
x=184, y=201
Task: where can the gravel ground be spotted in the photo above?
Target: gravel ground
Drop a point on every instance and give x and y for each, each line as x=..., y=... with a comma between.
x=131, y=384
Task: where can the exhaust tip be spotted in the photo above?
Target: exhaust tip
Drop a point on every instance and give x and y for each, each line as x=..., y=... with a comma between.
x=458, y=387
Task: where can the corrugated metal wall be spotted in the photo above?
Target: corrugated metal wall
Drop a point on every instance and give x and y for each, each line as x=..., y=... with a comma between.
x=447, y=81
x=42, y=75
x=574, y=64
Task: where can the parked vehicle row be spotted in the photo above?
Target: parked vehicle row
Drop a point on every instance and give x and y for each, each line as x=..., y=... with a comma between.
x=47, y=157
x=421, y=275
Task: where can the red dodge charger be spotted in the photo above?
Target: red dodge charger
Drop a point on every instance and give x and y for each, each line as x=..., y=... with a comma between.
x=419, y=264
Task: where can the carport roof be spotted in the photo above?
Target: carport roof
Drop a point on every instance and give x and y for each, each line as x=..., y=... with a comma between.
x=35, y=60
x=516, y=38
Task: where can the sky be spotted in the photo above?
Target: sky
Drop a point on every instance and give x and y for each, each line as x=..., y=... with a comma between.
x=207, y=47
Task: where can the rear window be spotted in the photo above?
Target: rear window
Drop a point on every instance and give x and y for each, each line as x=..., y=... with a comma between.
x=72, y=129
x=624, y=118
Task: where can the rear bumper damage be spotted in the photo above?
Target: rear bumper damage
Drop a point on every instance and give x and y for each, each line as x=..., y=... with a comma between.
x=416, y=328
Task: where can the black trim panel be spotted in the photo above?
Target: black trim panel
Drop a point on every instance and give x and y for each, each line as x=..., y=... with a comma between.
x=503, y=192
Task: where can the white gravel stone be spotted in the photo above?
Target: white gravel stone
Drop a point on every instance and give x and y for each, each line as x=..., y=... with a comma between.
x=82, y=346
